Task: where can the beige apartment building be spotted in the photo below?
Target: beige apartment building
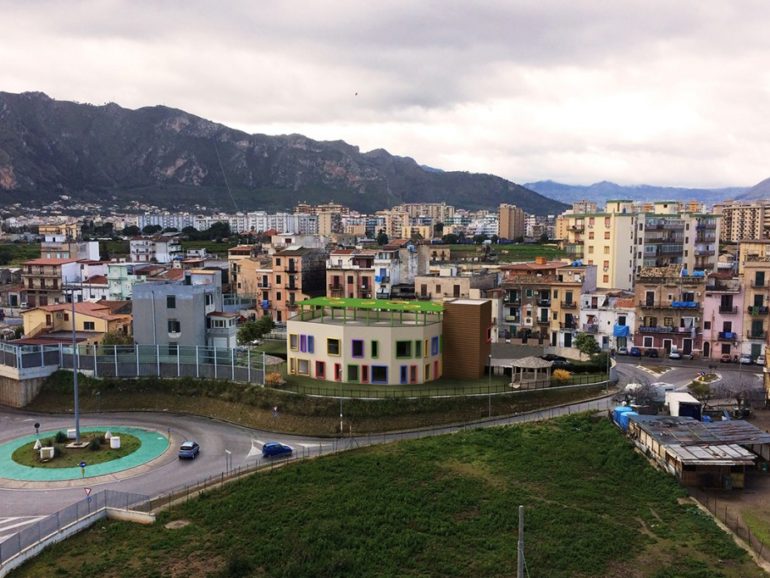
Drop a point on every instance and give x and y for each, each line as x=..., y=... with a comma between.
x=754, y=271
x=438, y=212
x=511, y=222
x=297, y=274
x=743, y=221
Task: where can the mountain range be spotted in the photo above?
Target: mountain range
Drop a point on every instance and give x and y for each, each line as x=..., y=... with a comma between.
x=603, y=191
x=173, y=159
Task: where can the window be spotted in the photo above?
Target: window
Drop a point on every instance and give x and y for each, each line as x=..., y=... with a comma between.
x=350, y=279
x=606, y=234
x=170, y=301
x=707, y=325
x=621, y=320
x=209, y=299
x=425, y=349
x=277, y=279
x=174, y=326
x=310, y=344
x=605, y=278
x=412, y=374
x=375, y=349
x=590, y=248
x=427, y=371
x=89, y=326
x=303, y=343
x=337, y=372
x=590, y=235
x=647, y=342
x=353, y=373
x=278, y=262
x=403, y=374
x=418, y=348
x=379, y=374
x=303, y=367
x=434, y=345
x=364, y=374
x=333, y=346
x=320, y=369
x=358, y=348
x=293, y=342
x=278, y=297
x=403, y=349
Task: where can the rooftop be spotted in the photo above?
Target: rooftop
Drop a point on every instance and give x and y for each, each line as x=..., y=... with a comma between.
x=372, y=304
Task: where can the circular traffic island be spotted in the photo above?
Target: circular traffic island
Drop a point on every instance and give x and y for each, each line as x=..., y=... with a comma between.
x=59, y=452
x=20, y=461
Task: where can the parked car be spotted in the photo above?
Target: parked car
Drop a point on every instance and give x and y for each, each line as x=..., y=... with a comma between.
x=623, y=350
x=189, y=450
x=674, y=354
x=726, y=358
x=635, y=352
x=760, y=360
x=651, y=352
x=272, y=449
x=745, y=359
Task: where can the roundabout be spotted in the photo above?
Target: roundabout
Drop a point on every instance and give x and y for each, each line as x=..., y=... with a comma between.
x=152, y=445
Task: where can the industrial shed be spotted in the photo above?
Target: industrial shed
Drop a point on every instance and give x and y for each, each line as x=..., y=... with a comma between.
x=709, y=455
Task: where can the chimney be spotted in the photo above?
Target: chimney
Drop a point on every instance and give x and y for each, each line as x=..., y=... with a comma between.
x=540, y=260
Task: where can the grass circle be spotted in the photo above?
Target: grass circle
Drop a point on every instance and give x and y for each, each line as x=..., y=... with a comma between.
x=26, y=455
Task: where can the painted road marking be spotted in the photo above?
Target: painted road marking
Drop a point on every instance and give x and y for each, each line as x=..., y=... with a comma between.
x=7, y=523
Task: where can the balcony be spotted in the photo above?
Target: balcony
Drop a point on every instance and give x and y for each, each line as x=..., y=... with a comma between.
x=383, y=295
x=758, y=310
x=543, y=302
x=591, y=327
x=512, y=300
x=756, y=334
x=382, y=279
x=651, y=329
x=512, y=319
x=673, y=305
x=291, y=304
x=543, y=322
x=759, y=285
x=569, y=304
x=263, y=286
x=727, y=336
x=726, y=310
x=568, y=325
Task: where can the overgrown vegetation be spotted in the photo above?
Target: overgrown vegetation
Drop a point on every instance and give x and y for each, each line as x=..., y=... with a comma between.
x=252, y=405
x=443, y=506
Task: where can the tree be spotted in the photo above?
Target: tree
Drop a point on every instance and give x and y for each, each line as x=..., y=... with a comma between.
x=219, y=231
x=131, y=231
x=113, y=338
x=586, y=344
x=544, y=237
x=382, y=237
x=151, y=229
x=252, y=330
x=438, y=229
x=479, y=239
x=450, y=239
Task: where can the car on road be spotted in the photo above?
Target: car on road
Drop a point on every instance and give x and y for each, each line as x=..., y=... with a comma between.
x=651, y=352
x=623, y=350
x=745, y=359
x=673, y=354
x=726, y=358
x=272, y=449
x=760, y=360
x=635, y=352
x=189, y=450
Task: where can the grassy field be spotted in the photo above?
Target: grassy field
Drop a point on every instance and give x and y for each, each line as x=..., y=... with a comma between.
x=252, y=405
x=443, y=506
x=17, y=253
x=210, y=246
x=69, y=458
x=513, y=252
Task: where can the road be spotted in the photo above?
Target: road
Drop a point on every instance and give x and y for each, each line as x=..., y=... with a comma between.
x=681, y=372
x=22, y=504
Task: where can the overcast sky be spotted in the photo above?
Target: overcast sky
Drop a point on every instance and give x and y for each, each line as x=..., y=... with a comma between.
x=658, y=92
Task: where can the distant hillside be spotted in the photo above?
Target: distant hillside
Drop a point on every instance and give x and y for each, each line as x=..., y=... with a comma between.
x=759, y=192
x=174, y=159
x=604, y=191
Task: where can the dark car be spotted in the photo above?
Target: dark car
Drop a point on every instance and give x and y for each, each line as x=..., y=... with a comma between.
x=189, y=450
x=272, y=449
x=651, y=352
x=635, y=352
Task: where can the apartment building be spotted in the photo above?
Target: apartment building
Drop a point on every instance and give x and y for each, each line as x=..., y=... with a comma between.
x=723, y=314
x=610, y=316
x=243, y=257
x=187, y=312
x=435, y=212
x=298, y=273
x=743, y=221
x=64, y=242
x=754, y=270
x=670, y=309
x=366, y=341
x=511, y=222
x=122, y=277
x=350, y=273
x=452, y=283
x=45, y=280
x=161, y=248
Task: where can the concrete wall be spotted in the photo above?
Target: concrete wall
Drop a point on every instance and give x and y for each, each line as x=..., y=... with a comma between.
x=18, y=393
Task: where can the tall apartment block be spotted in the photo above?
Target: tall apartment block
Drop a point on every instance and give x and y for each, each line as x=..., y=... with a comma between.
x=511, y=221
x=743, y=221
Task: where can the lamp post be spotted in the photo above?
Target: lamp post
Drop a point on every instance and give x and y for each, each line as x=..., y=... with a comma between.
x=75, y=370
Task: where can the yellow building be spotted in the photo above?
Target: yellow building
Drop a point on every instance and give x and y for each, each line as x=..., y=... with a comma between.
x=92, y=321
x=511, y=220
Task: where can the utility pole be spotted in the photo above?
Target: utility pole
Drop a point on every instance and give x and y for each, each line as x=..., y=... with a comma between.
x=520, y=557
x=489, y=387
x=75, y=370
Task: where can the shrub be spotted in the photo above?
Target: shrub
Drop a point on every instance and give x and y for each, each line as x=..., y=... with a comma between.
x=239, y=566
x=94, y=445
x=561, y=375
x=273, y=379
x=60, y=437
x=57, y=451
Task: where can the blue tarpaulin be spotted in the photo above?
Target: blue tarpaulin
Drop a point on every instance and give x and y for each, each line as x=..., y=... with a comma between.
x=620, y=331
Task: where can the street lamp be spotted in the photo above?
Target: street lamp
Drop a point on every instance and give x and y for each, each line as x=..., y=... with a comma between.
x=75, y=370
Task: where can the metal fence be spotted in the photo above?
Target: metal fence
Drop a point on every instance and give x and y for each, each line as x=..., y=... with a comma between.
x=16, y=543
x=732, y=519
x=239, y=364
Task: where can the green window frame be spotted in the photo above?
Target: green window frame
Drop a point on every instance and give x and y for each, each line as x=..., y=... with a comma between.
x=418, y=348
x=375, y=349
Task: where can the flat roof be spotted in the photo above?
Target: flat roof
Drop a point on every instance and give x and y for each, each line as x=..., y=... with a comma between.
x=382, y=304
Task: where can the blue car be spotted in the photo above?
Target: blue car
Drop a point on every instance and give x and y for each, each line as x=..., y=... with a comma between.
x=635, y=352
x=272, y=449
x=189, y=450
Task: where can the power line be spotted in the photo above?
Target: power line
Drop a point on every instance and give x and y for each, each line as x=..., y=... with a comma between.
x=227, y=184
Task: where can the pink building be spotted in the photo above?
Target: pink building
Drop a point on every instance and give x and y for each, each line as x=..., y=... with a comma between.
x=722, y=316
